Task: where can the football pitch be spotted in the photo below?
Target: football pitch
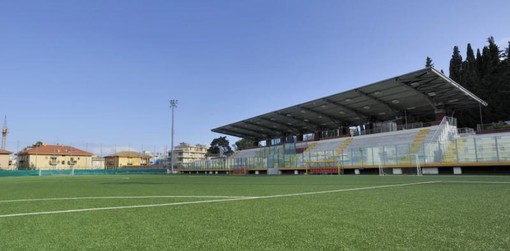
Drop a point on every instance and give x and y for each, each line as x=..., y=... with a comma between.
x=161, y=212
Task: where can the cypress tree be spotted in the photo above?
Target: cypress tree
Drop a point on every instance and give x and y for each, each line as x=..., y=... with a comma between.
x=494, y=53
x=507, y=60
x=505, y=80
x=469, y=76
x=486, y=62
x=470, y=55
x=500, y=82
x=493, y=84
x=455, y=65
x=428, y=62
x=470, y=80
x=507, y=54
x=479, y=63
x=487, y=75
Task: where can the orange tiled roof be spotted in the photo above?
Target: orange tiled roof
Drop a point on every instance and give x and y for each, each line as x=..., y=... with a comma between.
x=55, y=150
x=4, y=152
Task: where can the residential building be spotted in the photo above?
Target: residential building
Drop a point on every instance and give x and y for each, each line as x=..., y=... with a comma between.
x=185, y=153
x=158, y=158
x=125, y=159
x=5, y=159
x=49, y=157
x=98, y=162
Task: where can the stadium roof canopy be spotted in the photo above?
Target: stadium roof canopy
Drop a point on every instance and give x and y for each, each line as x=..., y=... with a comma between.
x=420, y=93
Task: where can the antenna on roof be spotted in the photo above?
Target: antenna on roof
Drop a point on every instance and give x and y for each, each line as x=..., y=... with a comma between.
x=4, y=133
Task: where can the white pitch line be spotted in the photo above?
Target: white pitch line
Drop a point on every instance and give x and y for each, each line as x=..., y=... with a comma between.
x=477, y=182
x=119, y=207
x=211, y=201
x=348, y=189
x=120, y=197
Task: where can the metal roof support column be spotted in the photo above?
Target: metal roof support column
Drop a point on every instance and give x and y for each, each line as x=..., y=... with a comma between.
x=405, y=117
x=300, y=137
x=481, y=116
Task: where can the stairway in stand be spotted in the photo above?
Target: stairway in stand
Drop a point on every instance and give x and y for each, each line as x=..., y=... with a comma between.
x=416, y=145
x=311, y=147
x=343, y=146
x=451, y=152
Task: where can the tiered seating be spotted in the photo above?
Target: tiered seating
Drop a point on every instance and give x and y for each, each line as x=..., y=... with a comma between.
x=382, y=139
x=396, y=147
x=385, y=148
x=432, y=133
x=416, y=145
x=311, y=147
x=504, y=146
x=324, y=149
x=327, y=145
x=249, y=153
x=478, y=148
x=344, y=146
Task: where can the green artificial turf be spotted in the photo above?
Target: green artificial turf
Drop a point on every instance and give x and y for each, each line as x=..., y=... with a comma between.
x=453, y=213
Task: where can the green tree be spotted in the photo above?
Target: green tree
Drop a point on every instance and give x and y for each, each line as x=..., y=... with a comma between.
x=428, y=62
x=469, y=77
x=479, y=63
x=243, y=144
x=490, y=58
x=455, y=65
x=487, y=75
x=495, y=53
x=491, y=83
x=507, y=54
x=220, y=147
x=37, y=144
x=506, y=61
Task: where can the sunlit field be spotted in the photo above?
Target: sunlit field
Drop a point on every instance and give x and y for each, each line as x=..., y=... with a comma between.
x=161, y=212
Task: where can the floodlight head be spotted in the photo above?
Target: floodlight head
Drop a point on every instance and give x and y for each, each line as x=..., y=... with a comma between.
x=173, y=103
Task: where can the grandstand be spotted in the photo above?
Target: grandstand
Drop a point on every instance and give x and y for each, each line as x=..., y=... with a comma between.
x=395, y=126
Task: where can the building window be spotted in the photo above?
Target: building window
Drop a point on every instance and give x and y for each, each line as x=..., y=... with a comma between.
x=53, y=160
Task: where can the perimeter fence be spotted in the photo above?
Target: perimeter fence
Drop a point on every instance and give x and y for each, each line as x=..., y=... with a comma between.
x=77, y=172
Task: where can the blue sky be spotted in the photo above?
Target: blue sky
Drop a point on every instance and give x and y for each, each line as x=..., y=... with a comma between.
x=101, y=73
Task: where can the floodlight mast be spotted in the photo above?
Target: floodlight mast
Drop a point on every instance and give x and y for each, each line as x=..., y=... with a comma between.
x=173, y=105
